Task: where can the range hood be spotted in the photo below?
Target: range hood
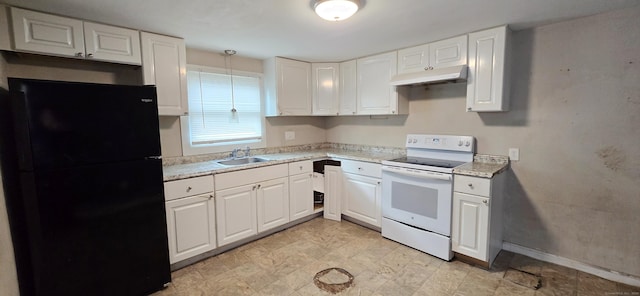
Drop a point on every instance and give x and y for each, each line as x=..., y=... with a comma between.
x=431, y=76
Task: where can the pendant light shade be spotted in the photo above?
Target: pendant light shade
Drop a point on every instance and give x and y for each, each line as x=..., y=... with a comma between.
x=336, y=10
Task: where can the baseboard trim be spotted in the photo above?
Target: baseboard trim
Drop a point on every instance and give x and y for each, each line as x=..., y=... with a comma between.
x=598, y=271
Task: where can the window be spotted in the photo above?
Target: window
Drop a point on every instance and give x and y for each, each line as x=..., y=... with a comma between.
x=211, y=125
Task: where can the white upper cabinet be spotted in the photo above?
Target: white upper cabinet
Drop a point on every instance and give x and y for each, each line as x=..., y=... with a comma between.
x=54, y=35
x=288, y=87
x=164, y=64
x=44, y=33
x=348, y=88
x=325, y=87
x=109, y=43
x=445, y=53
x=487, y=82
x=449, y=52
x=374, y=94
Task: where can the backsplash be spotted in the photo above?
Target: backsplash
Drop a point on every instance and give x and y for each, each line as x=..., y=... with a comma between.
x=282, y=149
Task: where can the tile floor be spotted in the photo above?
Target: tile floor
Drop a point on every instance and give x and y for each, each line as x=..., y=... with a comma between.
x=286, y=262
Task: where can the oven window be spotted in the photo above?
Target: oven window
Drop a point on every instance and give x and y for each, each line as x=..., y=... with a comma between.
x=419, y=200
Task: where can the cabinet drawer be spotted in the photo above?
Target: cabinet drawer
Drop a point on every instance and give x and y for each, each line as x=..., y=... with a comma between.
x=300, y=167
x=362, y=168
x=472, y=185
x=188, y=187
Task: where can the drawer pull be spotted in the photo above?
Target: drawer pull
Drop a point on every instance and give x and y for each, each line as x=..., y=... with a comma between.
x=301, y=168
x=485, y=202
x=189, y=188
x=470, y=185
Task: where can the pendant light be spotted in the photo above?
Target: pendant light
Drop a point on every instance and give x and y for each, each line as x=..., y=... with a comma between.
x=336, y=10
x=233, y=116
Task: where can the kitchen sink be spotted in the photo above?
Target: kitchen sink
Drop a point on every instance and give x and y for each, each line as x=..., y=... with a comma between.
x=241, y=161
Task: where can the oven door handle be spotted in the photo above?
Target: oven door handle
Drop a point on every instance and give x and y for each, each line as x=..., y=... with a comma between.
x=421, y=174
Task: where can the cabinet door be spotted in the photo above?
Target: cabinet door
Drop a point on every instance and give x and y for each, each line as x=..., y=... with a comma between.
x=273, y=203
x=348, y=86
x=413, y=59
x=164, y=65
x=375, y=95
x=236, y=213
x=325, y=77
x=361, y=198
x=332, y=193
x=300, y=196
x=294, y=87
x=191, y=226
x=45, y=33
x=470, y=225
x=486, y=89
x=113, y=44
x=448, y=53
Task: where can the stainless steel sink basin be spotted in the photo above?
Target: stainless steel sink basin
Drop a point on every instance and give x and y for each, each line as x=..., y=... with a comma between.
x=241, y=161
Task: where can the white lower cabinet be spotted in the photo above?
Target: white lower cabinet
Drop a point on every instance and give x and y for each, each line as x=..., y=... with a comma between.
x=332, y=192
x=300, y=190
x=273, y=203
x=236, y=213
x=191, y=219
x=361, y=198
x=477, y=217
x=251, y=201
x=471, y=225
x=191, y=226
x=362, y=191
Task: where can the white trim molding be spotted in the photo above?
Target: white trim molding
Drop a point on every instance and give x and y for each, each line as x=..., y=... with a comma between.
x=584, y=267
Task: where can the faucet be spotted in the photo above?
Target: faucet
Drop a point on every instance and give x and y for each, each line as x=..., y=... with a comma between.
x=247, y=151
x=234, y=153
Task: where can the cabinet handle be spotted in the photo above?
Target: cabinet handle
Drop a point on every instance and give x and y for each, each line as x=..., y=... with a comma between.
x=470, y=185
x=259, y=186
x=354, y=112
x=485, y=202
x=301, y=168
x=337, y=113
x=254, y=187
x=359, y=169
x=189, y=188
x=89, y=55
x=469, y=109
x=78, y=54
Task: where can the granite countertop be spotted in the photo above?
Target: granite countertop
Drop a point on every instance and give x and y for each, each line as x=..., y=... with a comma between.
x=196, y=169
x=484, y=166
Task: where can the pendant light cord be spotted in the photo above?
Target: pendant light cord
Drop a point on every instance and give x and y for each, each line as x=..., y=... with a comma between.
x=229, y=53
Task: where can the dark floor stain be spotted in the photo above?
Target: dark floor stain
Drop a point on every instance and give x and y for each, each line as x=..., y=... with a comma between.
x=523, y=278
x=613, y=158
x=333, y=280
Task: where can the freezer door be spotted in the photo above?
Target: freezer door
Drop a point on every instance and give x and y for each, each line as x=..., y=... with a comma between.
x=97, y=230
x=66, y=124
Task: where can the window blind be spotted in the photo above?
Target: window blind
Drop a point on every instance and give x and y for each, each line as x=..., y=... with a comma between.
x=210, y=104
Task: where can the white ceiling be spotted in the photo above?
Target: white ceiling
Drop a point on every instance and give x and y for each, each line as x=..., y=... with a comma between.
x=290, y=28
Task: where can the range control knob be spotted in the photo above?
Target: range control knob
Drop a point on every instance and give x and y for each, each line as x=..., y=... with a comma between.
x=409, y=141
x=415, y=141
x=460, y=143
x=467, y=143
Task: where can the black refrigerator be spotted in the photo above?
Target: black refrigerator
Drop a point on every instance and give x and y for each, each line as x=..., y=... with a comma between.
x=82, y=175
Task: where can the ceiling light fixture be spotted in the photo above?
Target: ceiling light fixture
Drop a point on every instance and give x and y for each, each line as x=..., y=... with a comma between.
x=336, y=10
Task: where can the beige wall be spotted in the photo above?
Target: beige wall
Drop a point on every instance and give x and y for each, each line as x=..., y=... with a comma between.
x=308, y=130
x=575, y=117
x=8, y=276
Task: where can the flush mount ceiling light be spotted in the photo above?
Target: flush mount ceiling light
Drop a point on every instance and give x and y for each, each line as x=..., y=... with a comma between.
x=336, y=10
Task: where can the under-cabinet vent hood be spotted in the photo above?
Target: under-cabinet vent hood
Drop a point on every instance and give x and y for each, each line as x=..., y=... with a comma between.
x=430, y=76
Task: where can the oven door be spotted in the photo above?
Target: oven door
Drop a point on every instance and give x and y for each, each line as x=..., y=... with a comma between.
x=418, y=198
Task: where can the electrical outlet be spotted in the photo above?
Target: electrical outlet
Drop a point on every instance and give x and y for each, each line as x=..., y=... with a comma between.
x=514, y=154
x=288, y=136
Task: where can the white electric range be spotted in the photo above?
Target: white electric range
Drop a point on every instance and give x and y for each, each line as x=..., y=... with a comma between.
x=417, y=192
